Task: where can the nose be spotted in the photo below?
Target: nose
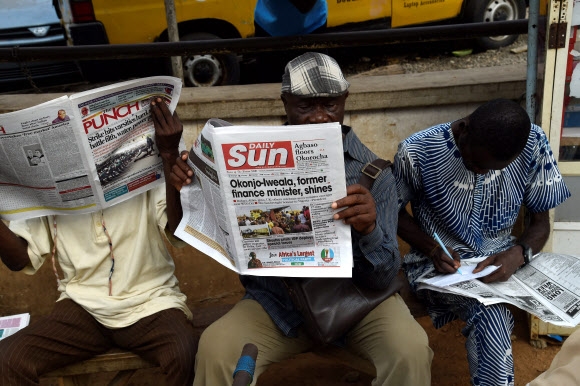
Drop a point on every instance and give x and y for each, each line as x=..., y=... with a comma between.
x=319, y=115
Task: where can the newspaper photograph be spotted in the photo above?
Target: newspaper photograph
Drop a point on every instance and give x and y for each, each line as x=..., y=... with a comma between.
x=82, y=153
x=260, y=201
x=548, y=287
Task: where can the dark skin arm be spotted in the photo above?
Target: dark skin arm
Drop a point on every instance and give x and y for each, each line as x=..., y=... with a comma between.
x=535, y=235
x=360, y=212
x=409, y=230
x=13, y=249
x=168, y=130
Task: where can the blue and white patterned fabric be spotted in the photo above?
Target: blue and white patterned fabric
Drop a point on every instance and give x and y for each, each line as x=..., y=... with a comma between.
x=473, y=214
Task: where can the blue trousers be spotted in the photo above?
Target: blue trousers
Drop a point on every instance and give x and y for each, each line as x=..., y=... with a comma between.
x=488, y=331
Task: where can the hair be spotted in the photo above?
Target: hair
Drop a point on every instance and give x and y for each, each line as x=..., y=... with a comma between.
x=501, y=126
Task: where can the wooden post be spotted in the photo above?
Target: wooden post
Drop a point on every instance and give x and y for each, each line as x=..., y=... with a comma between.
x=173, y=34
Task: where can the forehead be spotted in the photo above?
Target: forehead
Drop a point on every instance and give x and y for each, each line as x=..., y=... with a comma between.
x=314, y=100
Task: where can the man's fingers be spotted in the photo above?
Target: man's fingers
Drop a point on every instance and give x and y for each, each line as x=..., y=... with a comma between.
x=444, y=266
x=181, y=173
x=349, y=212
x=355, y=195
x=497, y=275
x=161, y=114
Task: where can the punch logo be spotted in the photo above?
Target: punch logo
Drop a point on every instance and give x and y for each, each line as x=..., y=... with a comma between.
x=2, y=130
x=258, y=155
x=110, y=117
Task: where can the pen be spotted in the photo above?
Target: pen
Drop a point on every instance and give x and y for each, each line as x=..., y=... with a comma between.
x=445, y=250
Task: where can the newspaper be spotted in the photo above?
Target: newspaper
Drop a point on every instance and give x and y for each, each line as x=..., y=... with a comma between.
x=548, y=287
x=11, y=324
x=260, y=202
x=82, y=153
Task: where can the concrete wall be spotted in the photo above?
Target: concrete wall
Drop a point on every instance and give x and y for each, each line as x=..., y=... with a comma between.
x=383, y=110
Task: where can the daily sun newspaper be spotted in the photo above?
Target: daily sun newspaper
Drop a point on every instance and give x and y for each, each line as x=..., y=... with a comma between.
x=82, y=153
x=548, y=287
x=260, y=202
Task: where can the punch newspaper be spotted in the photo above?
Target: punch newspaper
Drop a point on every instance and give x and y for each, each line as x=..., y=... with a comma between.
x=82, y=153
x=260, y=202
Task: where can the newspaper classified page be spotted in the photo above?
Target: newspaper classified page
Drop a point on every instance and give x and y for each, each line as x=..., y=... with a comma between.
x=554, y=279
x=79, y=154
x=548, y=287
x=260, y=203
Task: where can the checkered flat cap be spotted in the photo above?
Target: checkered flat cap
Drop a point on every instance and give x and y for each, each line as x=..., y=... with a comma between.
x=314, y=75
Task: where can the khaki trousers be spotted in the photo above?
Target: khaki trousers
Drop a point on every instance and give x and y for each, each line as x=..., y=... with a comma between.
x=388, y=336
x=565, y=367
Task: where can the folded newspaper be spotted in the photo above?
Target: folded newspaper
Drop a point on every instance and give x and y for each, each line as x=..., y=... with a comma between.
x=82, y=153
x=548, y=287
x=260, y=202
x=13, y=323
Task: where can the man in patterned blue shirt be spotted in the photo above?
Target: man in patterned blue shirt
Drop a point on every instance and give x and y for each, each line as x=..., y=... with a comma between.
x=466, y=182
x=314, y=91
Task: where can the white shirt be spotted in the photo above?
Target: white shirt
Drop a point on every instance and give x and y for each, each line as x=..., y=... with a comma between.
x=143, y=282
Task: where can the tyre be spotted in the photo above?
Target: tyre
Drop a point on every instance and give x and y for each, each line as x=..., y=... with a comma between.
x=209, y=70
x=480, y=11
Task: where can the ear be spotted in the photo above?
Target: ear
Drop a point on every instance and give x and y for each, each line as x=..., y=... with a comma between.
x=462, y=126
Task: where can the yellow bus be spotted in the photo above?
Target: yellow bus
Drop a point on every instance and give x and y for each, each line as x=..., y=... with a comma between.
x=144, y=21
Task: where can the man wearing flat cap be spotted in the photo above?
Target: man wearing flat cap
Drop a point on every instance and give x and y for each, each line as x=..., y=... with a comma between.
x=314, y=91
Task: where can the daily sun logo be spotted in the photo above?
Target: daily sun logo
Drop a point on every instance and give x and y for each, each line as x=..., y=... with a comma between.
x=258, y=155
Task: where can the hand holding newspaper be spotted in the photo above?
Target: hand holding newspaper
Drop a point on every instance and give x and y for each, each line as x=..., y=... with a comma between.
x=260, y=201
x=82, y=153
x=548, y=287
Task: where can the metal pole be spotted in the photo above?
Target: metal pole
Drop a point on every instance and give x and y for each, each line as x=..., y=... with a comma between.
x=173, y=34
x=240, y=46
x=532, y=59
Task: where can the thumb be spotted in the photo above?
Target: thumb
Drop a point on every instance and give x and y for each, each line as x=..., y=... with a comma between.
x=481, y=265
x=456, y=259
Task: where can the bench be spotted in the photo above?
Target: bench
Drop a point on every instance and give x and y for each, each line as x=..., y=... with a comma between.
x=125, y=364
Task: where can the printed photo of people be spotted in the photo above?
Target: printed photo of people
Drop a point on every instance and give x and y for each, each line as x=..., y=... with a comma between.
x=261, y=222
x=127, y=158
x=34, y=154
x=254, y=262
x=61, y=117
x=206, y=148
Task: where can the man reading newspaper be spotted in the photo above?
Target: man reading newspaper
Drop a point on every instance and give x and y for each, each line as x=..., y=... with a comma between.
x=314, y=91
x=117, y=283
x=466, y=181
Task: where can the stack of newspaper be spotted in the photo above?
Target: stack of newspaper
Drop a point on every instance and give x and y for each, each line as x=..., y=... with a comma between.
x=548, y=287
